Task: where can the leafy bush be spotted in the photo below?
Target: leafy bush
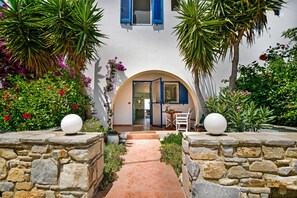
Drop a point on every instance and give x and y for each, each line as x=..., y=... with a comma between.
x=172, y=154
x=274, y=83
x=240, y=112
x=171, y=151
x=93, y=125
x=112, y=163
x=42, y=103
x=173, y=138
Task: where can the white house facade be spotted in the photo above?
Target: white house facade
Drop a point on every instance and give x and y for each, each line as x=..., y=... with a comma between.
x=140, y=34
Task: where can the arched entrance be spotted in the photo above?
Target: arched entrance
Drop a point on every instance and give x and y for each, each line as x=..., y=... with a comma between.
x=142, y=98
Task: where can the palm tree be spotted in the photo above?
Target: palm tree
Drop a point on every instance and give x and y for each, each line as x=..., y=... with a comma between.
x=198, y=43
x=39, y=31
x=245, y=18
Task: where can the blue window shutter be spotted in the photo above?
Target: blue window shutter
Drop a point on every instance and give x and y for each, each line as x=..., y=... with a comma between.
x=126, y=11
x=157, y=11
x=183, y=94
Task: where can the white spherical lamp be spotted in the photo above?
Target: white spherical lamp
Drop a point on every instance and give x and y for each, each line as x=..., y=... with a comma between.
x=215, y=123
x=71, y=124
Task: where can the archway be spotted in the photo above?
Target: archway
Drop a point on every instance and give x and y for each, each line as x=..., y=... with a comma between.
x=122, y=102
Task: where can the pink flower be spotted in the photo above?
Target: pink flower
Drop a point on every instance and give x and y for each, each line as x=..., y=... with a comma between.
x=5, y=6
x=6, y=118
x=247, y=92
x=26, y=115
x=238, y=107
x=61, y=92
x=74, y=106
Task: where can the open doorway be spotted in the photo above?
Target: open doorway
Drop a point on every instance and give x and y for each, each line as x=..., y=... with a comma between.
x=141, y=103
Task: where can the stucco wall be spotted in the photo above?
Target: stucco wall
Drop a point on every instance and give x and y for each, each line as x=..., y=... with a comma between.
x=143, y=48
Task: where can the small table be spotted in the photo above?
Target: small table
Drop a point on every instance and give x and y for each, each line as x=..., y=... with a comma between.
x=171, y=127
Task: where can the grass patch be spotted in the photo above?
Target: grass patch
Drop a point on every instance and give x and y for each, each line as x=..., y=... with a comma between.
x=171, y=150
x=112, y=163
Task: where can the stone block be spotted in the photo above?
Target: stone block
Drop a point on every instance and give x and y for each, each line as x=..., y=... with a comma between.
x=214, y=170
x=24, y=186
x=37, y=193
x=259, y=190
x=57, y=154
x=248, y=152
x=183, y=157
x=251, y=182
x=275, y=181
x=291, y=152
x=39, y=149
x=23, y=152
x=293, y=164
x=25, y=158
x=35, y=155
x=237, y=172
x=7, y=194
x=251, y=195
x=206, y=189
x=186, y=181
x=6, y=186
x=254, y=159
x=185, y=145
x=273, y=152
x=230, y=164
x=284, y=171
x=284, y=162
x=227, y=140
x=22, y=164
x=44, y=171
x=244, y=195
x=95, y=150
x=74, y=176
x=65, y=160
x=237, y=160
x=228, y=182
x=227, y=151
x=192, y=167
x=255, y=175
x=264, y=195
x=79, y=155
x=16, y=175
x=265, y=166
x=3, y=168
x=203, y=153
x=50, y=194
x=22, y=194
x=7, y=153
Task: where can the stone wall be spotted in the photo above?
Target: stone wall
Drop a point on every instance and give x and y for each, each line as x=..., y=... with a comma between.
x=240, y=165
x=50, y=164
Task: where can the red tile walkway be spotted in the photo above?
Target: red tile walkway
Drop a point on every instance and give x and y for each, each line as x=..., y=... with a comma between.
x=143, y=175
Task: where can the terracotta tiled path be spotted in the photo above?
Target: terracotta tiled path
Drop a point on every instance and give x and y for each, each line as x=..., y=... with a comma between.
x=143, y=175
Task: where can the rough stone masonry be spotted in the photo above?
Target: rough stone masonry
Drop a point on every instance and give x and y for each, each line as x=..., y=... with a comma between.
x=240, y=165
x=50, y=164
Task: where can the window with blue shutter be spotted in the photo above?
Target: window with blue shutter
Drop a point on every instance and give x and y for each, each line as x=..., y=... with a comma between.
x=126, y=11
x=141, y=11
x=157, y=11
x=183, y=94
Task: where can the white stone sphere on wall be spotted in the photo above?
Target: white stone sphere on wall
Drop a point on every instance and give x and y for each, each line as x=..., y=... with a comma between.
x=215, y=123
x=71, y=124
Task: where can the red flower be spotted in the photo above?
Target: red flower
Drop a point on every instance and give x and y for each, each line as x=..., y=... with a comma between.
x=263, y=57
x=6, y=118
x=61, y=92
x=26, y=115
x=74, y=106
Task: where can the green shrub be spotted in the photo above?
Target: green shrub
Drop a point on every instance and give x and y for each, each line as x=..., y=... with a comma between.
x=173, y=138
x=273, y=82
x=43, y=102
x=172, y=154
x=112, y=163
x=93, y=125
x=240, y=112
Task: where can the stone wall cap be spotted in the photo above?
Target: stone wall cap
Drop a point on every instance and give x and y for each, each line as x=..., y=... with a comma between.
x=246, y=138
x=80, y=138
x=16, y=138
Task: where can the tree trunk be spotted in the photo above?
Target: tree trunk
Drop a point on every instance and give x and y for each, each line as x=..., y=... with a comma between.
x=235, y=60
x=199, y=93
